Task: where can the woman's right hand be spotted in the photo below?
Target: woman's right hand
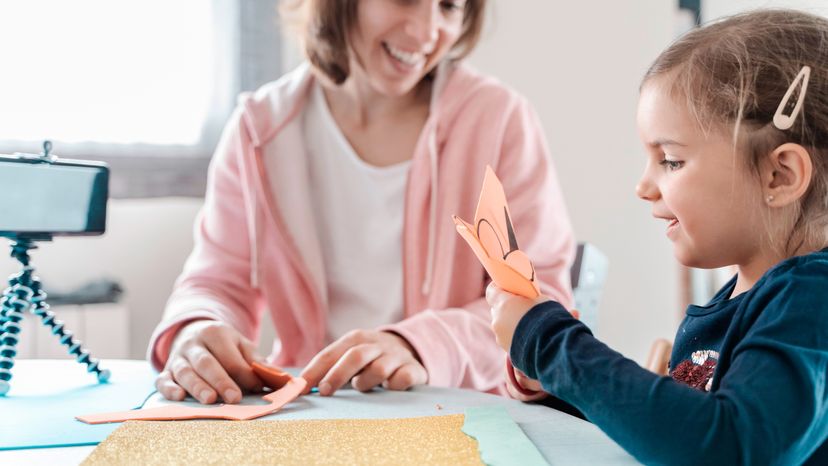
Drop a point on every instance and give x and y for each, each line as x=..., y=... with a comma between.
x=208, y=360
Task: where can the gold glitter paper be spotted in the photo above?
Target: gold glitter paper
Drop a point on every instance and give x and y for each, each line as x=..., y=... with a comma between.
x=423, y=440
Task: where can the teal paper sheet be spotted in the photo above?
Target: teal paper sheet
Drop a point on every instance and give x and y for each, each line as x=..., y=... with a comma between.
x=500, y=440
x=38, y=415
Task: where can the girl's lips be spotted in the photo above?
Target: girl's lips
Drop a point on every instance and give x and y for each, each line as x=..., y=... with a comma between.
x=672, y=226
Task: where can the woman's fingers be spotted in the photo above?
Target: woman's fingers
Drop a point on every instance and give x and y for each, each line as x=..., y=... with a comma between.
x=349, y=365
x=208, y=368
x=185, y=376
x=376, y=372
x=167, y=387
x=406, y=377
x=325, y=360
x=235, y=363
x=367, y=358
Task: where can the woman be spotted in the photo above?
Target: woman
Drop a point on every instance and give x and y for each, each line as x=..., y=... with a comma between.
x=329, y=205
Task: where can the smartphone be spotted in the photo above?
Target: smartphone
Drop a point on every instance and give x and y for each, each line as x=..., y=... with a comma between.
x=42, y=197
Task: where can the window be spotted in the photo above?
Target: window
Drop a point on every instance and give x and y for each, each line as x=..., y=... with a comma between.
x=143, y=85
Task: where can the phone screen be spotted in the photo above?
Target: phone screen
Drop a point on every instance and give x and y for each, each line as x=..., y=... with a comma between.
x=57, y=199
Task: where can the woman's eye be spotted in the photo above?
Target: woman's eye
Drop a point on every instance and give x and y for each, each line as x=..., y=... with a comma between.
x=451, y=6
x=671, y=165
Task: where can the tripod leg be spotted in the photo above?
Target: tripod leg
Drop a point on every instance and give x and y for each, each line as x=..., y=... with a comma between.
x=47, y=318
x=15, y=301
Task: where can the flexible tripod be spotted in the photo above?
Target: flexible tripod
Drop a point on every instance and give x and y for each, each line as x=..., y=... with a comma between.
x=24, y=293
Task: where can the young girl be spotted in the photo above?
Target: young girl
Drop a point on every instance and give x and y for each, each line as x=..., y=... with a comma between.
x=734, y=117
x=329, y=206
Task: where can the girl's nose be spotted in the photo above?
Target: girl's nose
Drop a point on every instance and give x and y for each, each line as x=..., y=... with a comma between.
x=646, y=189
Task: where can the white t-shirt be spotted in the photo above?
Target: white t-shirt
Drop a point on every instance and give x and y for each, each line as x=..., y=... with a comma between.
x=359, y=221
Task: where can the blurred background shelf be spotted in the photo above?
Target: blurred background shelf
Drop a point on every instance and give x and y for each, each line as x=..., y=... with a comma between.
x=103, y=329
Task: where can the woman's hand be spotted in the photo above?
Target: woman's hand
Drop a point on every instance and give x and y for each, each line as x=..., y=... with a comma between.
x=507, y=310
x=208, y=360
x=367, y=358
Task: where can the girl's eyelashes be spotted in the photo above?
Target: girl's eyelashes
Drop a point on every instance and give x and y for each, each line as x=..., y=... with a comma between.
x=671, y=165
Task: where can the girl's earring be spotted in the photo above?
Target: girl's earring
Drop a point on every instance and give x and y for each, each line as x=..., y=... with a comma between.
x=769, y=199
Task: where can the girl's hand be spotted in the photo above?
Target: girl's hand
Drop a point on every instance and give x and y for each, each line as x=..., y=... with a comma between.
x=507, y=310
x=367, y=358
x=208, y=360
x=522, y=388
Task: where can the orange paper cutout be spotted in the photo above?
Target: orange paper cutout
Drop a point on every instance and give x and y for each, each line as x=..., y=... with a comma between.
x=288, y=390
x=272, y=377
x=492, y=238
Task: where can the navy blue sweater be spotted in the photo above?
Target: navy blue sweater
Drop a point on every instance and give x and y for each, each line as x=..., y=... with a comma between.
x=747, y=384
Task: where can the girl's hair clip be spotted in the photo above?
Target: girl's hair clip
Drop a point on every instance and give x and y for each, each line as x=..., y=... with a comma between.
x=782, y=121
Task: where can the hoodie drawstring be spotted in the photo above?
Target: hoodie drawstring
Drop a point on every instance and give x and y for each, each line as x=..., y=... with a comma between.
x=432, y=211
x=254, y=241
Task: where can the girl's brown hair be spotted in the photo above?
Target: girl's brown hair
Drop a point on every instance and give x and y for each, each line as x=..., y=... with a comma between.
x=324, y=26
x=734, y=73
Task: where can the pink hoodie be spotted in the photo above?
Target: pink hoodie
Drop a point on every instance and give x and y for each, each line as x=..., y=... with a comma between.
x=257, y=250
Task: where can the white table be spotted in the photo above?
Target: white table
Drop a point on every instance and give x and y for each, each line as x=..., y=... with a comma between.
x=561, y=438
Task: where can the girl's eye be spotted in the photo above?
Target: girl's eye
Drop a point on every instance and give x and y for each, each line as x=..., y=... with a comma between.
x=671, y=165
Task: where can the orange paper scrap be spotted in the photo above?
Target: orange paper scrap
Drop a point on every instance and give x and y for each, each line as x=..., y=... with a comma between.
x=492, y=238
x=287, y=389
x=272, y=377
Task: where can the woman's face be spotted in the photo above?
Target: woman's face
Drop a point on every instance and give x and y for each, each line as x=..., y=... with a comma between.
x=395, y=43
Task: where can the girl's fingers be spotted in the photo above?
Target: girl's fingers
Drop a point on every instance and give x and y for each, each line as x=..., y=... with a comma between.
x=526, y=382
x=514, y=393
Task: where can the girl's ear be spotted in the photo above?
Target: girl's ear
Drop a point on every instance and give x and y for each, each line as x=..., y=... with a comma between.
x=787, y=175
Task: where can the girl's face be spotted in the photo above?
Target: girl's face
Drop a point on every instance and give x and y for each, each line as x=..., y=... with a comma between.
x=708, y=196
x=395, y=43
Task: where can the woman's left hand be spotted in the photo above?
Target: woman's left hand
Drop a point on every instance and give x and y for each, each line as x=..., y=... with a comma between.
x=367, y=358
x=507, y=310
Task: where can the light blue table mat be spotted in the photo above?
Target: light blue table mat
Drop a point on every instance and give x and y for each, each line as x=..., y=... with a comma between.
x=500, y=440
x=37, y=415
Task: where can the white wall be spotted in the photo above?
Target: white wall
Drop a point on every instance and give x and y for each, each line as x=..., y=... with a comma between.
x=580, y=64
x=712, y=9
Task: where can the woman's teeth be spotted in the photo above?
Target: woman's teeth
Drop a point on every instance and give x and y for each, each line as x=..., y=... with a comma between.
x=409, y=58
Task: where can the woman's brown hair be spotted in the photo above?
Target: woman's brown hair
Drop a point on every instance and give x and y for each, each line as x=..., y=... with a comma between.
x=323, y=26
x=734, y=73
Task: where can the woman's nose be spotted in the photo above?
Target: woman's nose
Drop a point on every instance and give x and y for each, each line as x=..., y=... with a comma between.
x=424, y=26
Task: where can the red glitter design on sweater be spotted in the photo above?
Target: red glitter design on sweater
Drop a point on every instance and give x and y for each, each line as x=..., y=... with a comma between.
x=694, y=375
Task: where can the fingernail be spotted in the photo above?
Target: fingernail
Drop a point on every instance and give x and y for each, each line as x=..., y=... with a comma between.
x=231, y=396
x=324, y=388
x=204, y=396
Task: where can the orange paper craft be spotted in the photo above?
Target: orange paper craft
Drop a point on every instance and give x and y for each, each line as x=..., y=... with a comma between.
x=492, y=238
x=272, y=377
x=288, y=389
